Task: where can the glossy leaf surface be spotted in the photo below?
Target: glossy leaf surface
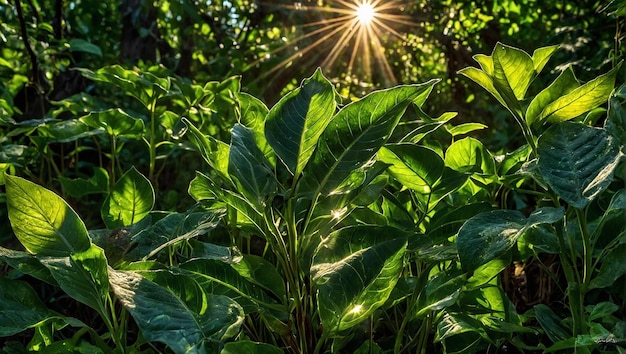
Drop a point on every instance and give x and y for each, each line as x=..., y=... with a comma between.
x=488, y=235
x=43, y=222
x=577, y=161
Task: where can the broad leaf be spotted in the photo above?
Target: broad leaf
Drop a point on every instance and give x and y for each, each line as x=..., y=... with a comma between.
x=577, y=161
x=441, y=291
x=67, y=131
x=355, y=269
x=83, y=276
x=43, y=222
x=489, y=235
x=612, y=268
x=416, y=167
x=79, y=187
x=542, y=55
x=252, y=113
x=356, y=133
x=220, y=278
x=20, y=307
x=565, y=83
x=27, y=264
x=130, y=200
x=574, y=100
x=163, y=316
x=249, y=167
x=469, y=155
x=214, y=152
x=555, y=328
x=81, y=45
x=116, y=122
x=513, y=69
x=171, y=229
x=296, y=122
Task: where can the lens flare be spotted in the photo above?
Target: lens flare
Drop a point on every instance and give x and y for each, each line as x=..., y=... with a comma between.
x=349, y=36
x=365, y=13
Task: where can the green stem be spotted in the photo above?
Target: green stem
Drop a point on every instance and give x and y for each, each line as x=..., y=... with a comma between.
x=587, y=251
x=152, y=145
x=113, y=161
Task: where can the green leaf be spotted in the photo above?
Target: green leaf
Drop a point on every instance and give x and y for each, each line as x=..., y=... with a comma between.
x=356, y=133
x=469, y=155
x=81, y=45
x=79, y=187
x=489, y=235
x=249, y=167
x=252, y=112
x=83, y=276
x=355, y=269
x=27, y=264
x=296, y=122
x=171, y=229
x=20, y=307
x=513, y=69
x=441, y=291
x=565, y=83
x=220, y=278
x=214, y=152
x=163, y=316
x=615, y=122
x=43, y=222
x=259, y=271
x=67, y=131
x=581, y=99
x=249, y=347
x=130, y=200
x=542, y=55
x=483, y=79
x=555, y=328
x=612, y=268
x=577, y=161
x=601, y=310
x=416, y=167
x=115, y=122
x=465, y=128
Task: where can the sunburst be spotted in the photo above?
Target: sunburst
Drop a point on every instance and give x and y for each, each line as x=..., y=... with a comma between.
x=354, y=31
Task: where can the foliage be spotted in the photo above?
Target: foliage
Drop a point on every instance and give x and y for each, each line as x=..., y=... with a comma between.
x=151, y=205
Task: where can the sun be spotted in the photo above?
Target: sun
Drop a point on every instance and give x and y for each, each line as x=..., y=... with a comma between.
x=365, y=13
x=349, y=34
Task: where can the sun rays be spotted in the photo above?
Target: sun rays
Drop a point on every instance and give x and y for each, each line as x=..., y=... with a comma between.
x=346, y=38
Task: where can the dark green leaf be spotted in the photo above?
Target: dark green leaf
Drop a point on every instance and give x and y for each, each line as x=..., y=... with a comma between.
x=115, y=122
x=20, y=307
x=249, y=167
x=489, y=235
x=163, y=316
x=79, y=187
x=355, y=269
x=577, y=161
x=81, y=45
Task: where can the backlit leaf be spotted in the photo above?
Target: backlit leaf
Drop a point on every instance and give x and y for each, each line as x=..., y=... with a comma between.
x=43, y=222
x=296, y=122
x=130, y=200
x=416, y=167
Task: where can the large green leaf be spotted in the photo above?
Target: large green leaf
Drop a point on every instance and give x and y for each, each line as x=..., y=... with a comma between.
x=575, y=101
x=83, y=276
x=513, y=69
x=296, y=122
x=469, y=155
x=220, y=278
x=116, y=122
x=130, y=200
x=356, y=133
x=79, y=187
x=163, y=316
x=252, y=113
x=562, y=85
x=489, y=235
x=249, y=167
x=441, y=291
x=355, y=269
x=416, y=167
x=172, y=229
x=43, y=222
x=214, y=152
x=20, y=307
x=577, y=161
x=27, y=264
